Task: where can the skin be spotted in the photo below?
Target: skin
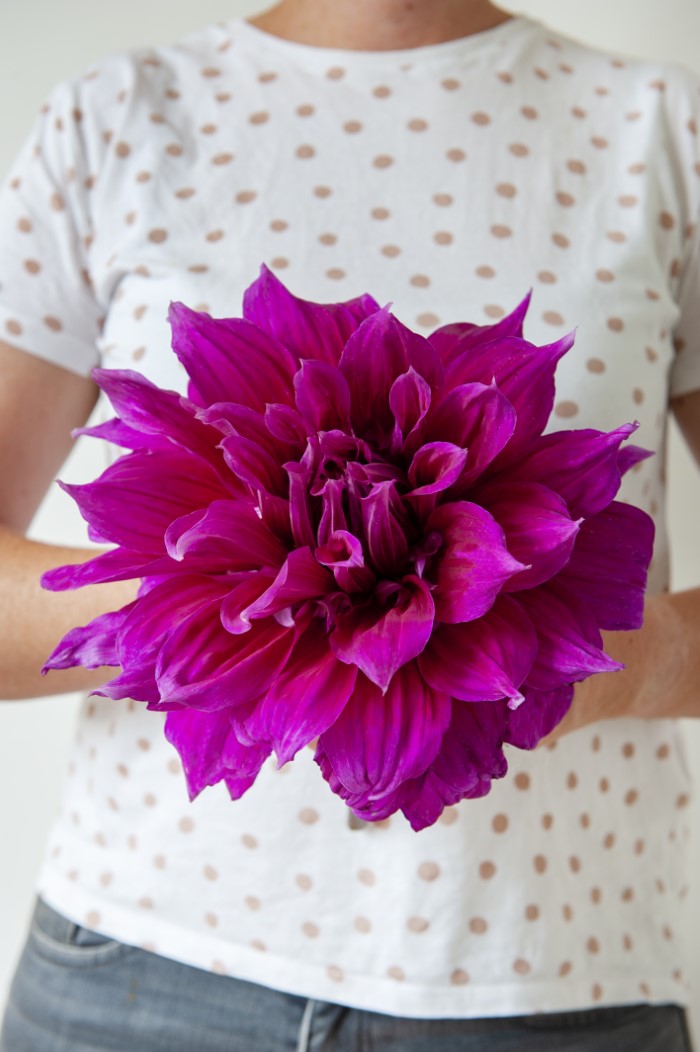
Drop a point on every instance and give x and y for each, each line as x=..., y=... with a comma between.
x=40, y=403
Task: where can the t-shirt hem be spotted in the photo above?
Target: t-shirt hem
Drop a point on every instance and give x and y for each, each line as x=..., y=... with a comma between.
x=59, y=348
x=372, y=993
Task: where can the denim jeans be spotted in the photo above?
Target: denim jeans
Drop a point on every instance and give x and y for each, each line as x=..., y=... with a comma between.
x=77, y=991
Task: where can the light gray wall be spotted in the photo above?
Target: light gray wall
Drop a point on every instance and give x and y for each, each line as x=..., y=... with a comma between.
x=43, y=41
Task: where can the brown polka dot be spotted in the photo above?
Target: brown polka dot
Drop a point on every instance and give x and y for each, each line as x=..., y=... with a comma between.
x=259, y=117
x=306, y=110
x=627, y=894
x=540, y=863
x=450, y=84
x=417, y=124
x=628, y=200
x=244, y=197
x=305, y=151
x=530, y=112
x=258, y=944
x=420, y=281
x=428, y=871
x=596, y=992
x=522, y=967
x=627, y=943
x=585, y=820
x=396, y=972
x=456, y=155
x=567, y=912
x=380, y=213
x=150, y=800
x=506, y=190
x=478, y=926
x=427, y=319
x=335, y=73
x=366, y=876
x=481, y=119
x=628, y=750
x=636, y=169
x=459, y=977
x=383, y=160
x=487, y=870
x=609, y=841
x=417, y=924
x=532, y=912
x=335, y=273
x=352, y=127
x=32, y=266
x=500, y=230
x=492, y=310
x=278, y=225
x=448, y=817
x=25, y=225
x=485, y=272
x=362, y=924
x=552, y=317
x=308, y=815
x=212, y=920
x=443, y=200
x=617, y=236
x=631, y=797
x=575, y=864
x=519, y=149
x=122, y=149
x=682, y=800
x=381, y=91
x=310, y=929
x=146, y=902
x=605, y=275
x=522, y=780
x=567, y=200
x=596, y=896
x=443, y=237
x=57, y=202
x=210, y=872
x=93, y=919
x=249, y=841
x=499, y=823
x=616, y=324
x=572, y=777
x=663, y=752
x=547, y=821
x=561, y=240
x=391, y=251
x=565, y=968
x=158, y=235
x=505, y=77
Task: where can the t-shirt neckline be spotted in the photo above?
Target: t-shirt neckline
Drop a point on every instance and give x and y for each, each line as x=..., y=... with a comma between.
x=444, y=51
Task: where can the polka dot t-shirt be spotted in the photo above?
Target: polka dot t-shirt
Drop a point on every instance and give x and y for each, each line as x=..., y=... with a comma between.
x=448, y=180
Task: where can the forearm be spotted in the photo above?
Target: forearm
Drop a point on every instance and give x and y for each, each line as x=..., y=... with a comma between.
x=661, y=678
x=33, y=620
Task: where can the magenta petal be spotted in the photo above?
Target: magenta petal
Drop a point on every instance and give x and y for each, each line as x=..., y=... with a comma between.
x=478, y=418
x=381, y=349
x=231, y=360
x=570, y=644
x=409, y=400
x=119, y=434
x=482, y=660
x=234, y=608
x=228, y=534
x=580, y=465
x=473, y=563
x=300, y=577
x=470, y=756
x=322, y=396
x=381, y=641
x=538, y=527
x=210, y=751
x=380, y=740
x=454, y=339
x=436, y=466
x=383, y=518
x=117, y=565
x=306, y=698
x=307, y=329
x=204, y=666
x=92, y=645
x=300, y=505
x=608, y=567
x=538, y=716
x=341, y=549
x=254, y=465
x=631, y=455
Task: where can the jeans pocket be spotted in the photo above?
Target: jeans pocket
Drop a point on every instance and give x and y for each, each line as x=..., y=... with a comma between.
x=63, y=941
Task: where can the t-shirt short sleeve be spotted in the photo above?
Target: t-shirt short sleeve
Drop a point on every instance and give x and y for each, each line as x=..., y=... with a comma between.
x=47, y=303
x=685, y=370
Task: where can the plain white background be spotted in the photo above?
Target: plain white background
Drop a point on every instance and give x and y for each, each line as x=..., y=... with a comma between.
x=44, y=41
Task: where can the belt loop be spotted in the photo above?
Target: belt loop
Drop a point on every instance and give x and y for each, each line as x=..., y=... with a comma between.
x=305, y=1028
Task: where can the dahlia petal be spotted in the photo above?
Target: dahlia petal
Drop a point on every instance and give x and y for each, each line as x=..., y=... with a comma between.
x=210, y=751
x=477, y=417
x=379, y=642
x=306, y=698
x=134, y=501
x=120, y=564
x=322, y=396
x=473, y=563
x=227, y=533
x=306, y=328
x=522, y=371
x=537, y=716
x=538, y=527
x=435, y=466
x=156, y=412
x=609, y=563
x=383, y=518
x=92, y=645
x=628, y=457
x=580, y=465
x=380, y=740
x=230, y=359
x=372, y=807
x=409, y=401
x=482, y=660
x=381, y=349
x=231, y=419
x=286, y=424
x=138, y=684
x=454, y=339
x=300, y=505
x=206, y=667
x=119, y=434
x=300, y=577
x=333, y=518
x=341, y=549
x=470, y=756
x=570, y=644
x=255, y=465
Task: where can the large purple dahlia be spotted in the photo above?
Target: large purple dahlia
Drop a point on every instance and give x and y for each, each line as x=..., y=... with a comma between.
x=348, y=531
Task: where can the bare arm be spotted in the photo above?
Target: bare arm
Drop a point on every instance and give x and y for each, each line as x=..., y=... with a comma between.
x=661, y=679
x=40, y=404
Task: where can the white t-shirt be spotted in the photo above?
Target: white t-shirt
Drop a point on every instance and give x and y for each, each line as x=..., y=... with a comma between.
x=447, y=179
